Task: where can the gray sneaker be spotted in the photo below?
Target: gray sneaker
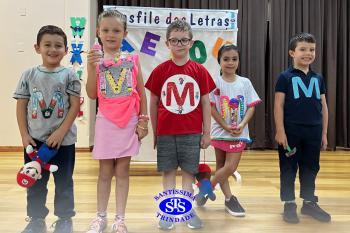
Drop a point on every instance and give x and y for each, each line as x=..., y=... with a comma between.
x=195, y=222
x=234, y=208
x=165, y=225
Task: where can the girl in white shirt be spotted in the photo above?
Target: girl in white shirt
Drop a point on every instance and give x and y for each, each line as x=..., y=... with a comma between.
x=232, y=106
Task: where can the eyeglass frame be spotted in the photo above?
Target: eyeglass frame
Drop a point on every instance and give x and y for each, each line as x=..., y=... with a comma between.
x=179, y=41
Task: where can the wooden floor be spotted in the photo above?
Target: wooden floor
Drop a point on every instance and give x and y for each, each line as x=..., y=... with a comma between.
x=258, y=193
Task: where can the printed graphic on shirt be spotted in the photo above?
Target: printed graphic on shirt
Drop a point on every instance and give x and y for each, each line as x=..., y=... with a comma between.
x=233, y=108
x=116, y=81
x=180, y=94
x=297, y=82
x=38, y=101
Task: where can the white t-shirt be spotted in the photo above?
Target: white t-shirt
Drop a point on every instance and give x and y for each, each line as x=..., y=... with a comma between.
x=232, y=99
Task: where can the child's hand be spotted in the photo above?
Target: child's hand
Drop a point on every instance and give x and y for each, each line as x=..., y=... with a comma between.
x=238, y=129
x=93, y=58
x=281, y=139
x=324, y=142
x=28, y=140
x=228, y=128
x=205, y=141
x=141, y=130
x=55, y=139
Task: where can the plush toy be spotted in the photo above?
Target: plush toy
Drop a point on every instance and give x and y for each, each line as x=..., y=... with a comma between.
x=31, y=171
x=204, y=185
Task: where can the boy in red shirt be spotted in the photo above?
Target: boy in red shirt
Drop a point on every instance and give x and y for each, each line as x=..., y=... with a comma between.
x=180, y=113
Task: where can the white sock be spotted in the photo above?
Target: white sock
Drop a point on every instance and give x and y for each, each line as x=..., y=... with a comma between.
x=292, y=201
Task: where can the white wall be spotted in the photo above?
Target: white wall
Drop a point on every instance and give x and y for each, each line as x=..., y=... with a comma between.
x=21, y=21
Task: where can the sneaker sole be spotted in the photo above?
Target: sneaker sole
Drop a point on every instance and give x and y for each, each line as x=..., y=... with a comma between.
x=236, y=214
x=291, y=222
x=194, y=227
x=166, y=229
x=92, y=231
x=303, y=212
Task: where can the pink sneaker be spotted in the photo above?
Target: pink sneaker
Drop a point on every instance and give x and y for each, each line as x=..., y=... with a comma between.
x=119, y=226
x=97, y=225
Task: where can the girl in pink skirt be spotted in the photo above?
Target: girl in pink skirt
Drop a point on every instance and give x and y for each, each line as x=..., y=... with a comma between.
x=115, y=79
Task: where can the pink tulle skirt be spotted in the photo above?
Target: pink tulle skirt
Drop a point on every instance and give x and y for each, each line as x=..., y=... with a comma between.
x=112, y=142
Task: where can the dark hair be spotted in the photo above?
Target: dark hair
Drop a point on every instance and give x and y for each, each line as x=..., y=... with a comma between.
x=112, y=13
x=301, y=37
x=52, y=30
x=179, y=25
x=224, y=48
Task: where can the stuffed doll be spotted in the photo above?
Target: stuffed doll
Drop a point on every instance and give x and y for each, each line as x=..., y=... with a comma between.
x=204, y=185
x=31, y=171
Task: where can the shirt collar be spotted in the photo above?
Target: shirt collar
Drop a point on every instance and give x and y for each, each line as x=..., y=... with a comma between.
x=294, y=70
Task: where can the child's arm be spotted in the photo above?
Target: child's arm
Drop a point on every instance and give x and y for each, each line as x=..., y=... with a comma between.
x=154, y=102
x=21, y=114
x=280, y=137
x=248, y=115
x=142, y=128
x=50, y=167
x=56, y=138
x=206, y=109
x=324, y=122
x=93, y=59
x=217, y=117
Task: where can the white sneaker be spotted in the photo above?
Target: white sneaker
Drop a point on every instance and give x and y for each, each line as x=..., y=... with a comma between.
x=119, y=226
x=97, y=225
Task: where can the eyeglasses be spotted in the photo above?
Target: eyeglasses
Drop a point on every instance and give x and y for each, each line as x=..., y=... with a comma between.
x=175, y=41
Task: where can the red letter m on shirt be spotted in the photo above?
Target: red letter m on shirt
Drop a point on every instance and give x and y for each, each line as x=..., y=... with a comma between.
x=180, y=100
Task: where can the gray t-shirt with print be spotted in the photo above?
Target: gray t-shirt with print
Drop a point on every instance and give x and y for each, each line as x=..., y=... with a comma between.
x=48, y=92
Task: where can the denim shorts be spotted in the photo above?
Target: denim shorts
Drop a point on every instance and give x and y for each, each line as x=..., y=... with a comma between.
x=175, y=151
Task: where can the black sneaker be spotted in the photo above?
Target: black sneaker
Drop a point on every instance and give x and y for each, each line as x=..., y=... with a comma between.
x=290, y=213
x=234, y=208
x=313, y=210
x=63, y=225
x=35, y=225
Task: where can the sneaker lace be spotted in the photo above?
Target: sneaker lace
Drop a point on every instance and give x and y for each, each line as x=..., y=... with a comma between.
x=119, y=226
x=97, y=223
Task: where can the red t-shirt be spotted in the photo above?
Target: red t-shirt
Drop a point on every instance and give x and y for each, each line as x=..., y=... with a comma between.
x=179, y=89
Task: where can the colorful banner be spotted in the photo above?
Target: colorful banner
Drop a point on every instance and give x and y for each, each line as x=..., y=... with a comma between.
x=147, y=30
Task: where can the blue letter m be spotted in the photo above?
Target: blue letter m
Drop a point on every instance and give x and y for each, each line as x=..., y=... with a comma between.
x=307, y=91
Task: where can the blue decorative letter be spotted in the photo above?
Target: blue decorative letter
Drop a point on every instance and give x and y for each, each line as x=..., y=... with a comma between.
x=307, y=91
